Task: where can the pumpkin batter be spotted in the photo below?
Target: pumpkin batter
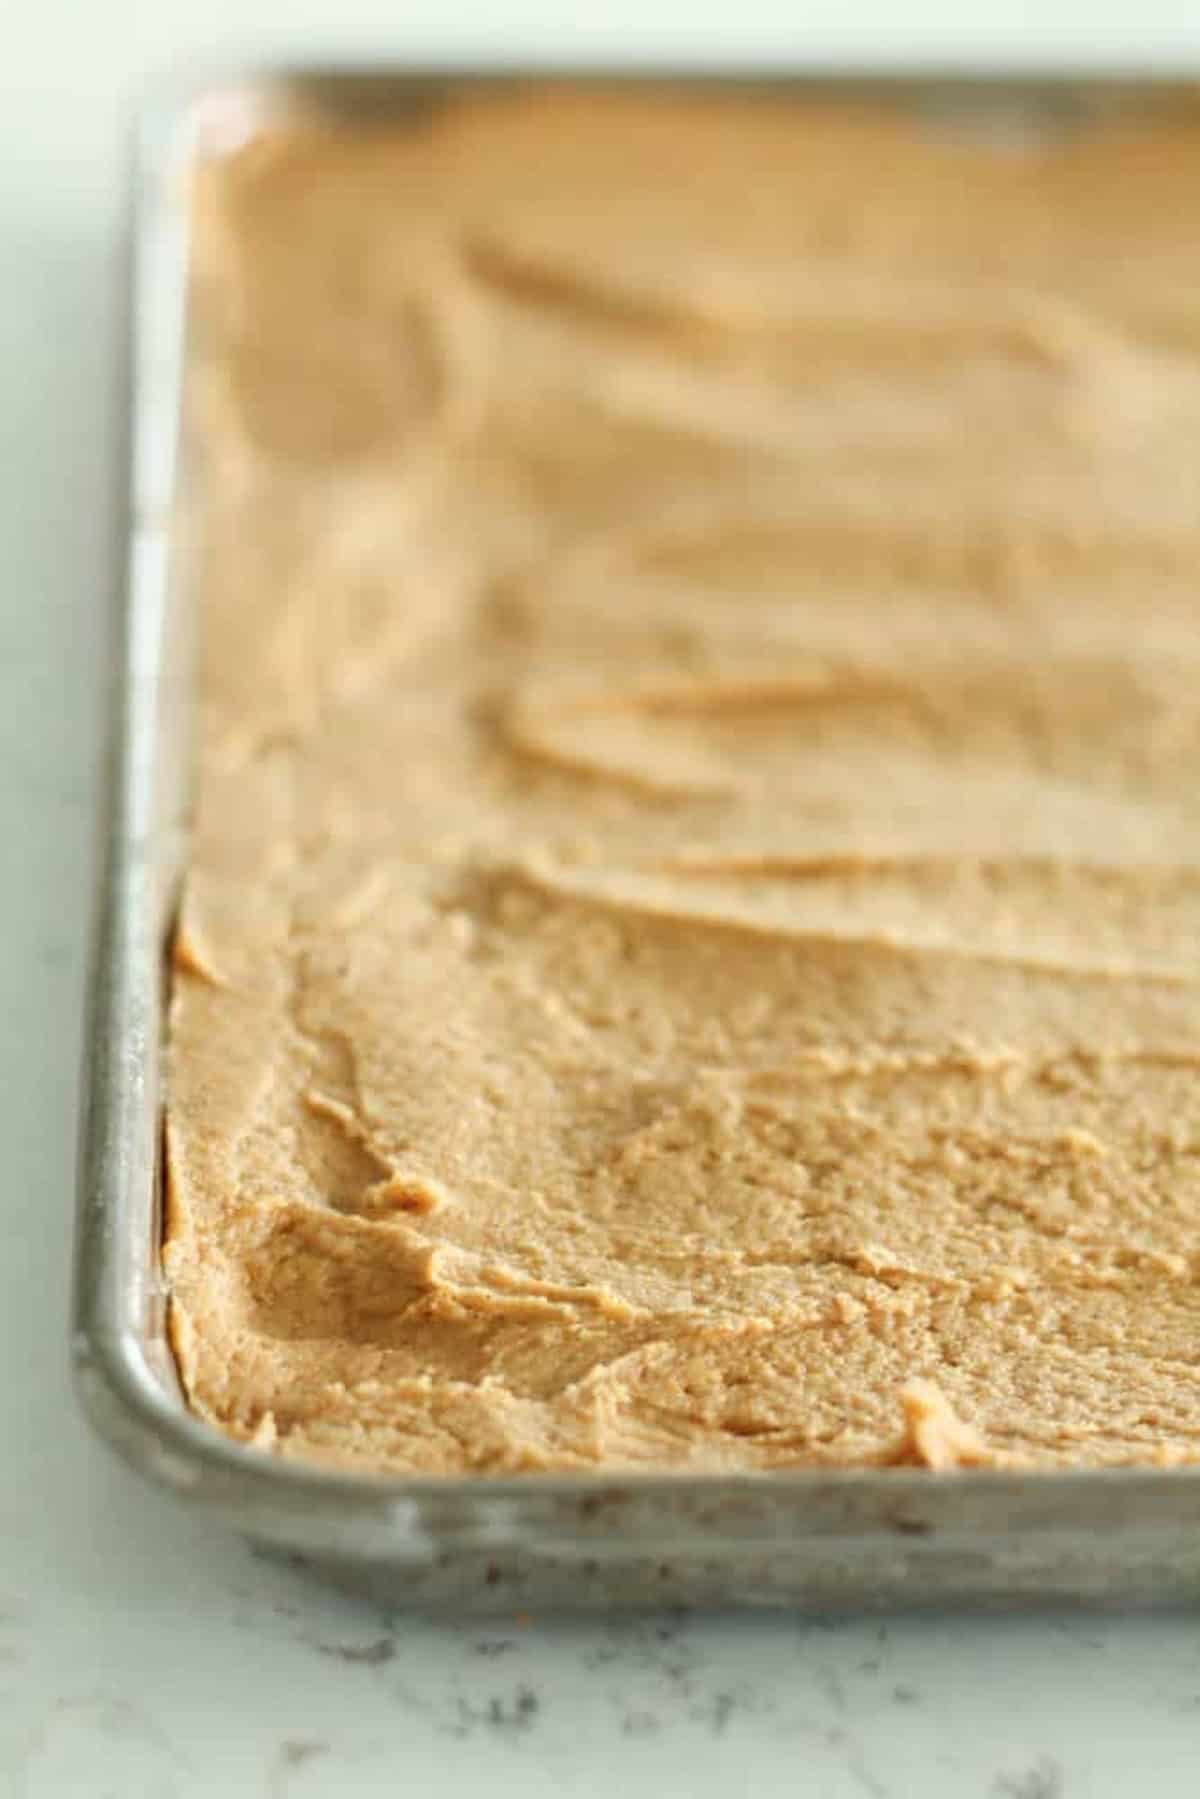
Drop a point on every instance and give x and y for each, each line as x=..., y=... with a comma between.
x=691, y=946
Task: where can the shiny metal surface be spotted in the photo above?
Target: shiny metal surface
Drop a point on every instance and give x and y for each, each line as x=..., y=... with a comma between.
x=814, y=1539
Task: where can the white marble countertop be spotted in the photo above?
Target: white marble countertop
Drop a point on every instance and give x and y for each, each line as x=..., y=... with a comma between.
x=142, y=1654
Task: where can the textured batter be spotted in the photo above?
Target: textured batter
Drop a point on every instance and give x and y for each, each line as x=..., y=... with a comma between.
x=690, y=954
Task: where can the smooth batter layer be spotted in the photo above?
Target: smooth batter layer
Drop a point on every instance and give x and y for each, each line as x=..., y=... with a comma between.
x=690, y=953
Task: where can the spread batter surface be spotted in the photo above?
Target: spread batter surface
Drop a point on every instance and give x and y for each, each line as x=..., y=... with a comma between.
x=689, y=959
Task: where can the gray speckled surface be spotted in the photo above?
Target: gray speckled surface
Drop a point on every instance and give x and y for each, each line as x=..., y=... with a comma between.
x=144, y=1656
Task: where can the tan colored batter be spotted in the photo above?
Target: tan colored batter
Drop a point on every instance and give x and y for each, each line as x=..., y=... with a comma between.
x=690, y=958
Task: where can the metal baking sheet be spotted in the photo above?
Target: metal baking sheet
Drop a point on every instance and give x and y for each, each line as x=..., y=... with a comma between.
x=809, y=1538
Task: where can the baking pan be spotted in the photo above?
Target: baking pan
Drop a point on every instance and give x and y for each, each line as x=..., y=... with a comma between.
x=812, y=1538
